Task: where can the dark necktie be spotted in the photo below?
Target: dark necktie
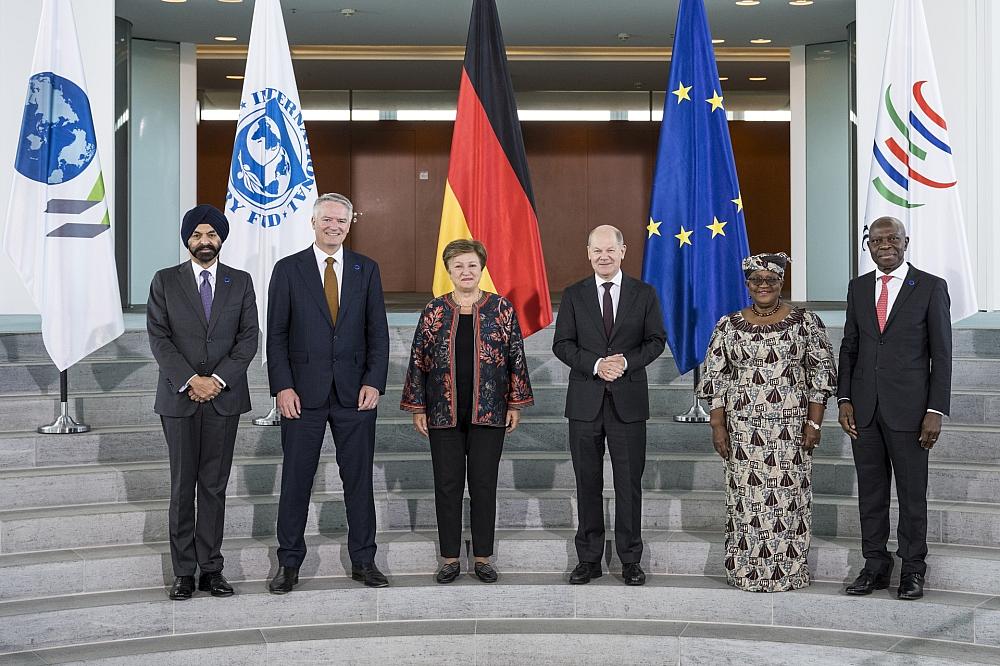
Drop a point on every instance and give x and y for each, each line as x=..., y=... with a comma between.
x=609, y=309
x=206, y=294
x=330, y=289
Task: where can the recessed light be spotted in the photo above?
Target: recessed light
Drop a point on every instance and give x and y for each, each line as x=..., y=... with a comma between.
x=234, y=77
x=175, y=1
x=224, y=38
x=348, y=12
x=760, y=40
x=718, y=41
x=800, y=3
x=723, y=78
x=827, y=51
x=234, y=1
x=758, y=78
x=747, y=3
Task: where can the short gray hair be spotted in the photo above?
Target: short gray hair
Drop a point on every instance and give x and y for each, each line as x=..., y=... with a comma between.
x=619, y=236
x=333, y=197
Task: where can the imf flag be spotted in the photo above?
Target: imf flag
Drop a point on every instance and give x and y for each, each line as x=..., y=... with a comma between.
x=912, y=174
x=271, y=183
x=696, y=236
x=58, y=231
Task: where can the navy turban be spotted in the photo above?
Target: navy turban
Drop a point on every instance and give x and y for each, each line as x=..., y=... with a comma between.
x=204, y=214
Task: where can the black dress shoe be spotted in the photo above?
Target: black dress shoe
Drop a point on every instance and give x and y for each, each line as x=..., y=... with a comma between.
x=284, y=581
x=183, y=588
x=585, y=572
x=867, y=582
x=911, y=586
x=448, y=572
x=215, y=583
x=369, y=575
x=486, y=573
x=633, y=574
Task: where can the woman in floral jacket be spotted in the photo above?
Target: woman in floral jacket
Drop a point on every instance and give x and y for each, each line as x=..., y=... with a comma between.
x=466, y=381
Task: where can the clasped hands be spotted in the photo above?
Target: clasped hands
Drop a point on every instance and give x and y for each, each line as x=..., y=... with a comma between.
x=291, y=407
x=203, y=389
x=611, y=368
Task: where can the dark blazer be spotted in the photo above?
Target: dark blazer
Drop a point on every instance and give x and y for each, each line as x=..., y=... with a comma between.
x=905, y=369
x=501, y=374
x=304, y=349
x=580, y=340
x=185, y=344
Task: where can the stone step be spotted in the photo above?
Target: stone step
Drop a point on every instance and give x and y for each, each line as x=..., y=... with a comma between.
x=58, y=528
x=394, y=434
x=120, y=568
x=412, y=471
x=89, y=618
x=25, y=413
x=557, y=642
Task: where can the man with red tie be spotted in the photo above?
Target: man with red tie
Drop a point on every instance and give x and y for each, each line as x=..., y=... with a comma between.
x=894, y=387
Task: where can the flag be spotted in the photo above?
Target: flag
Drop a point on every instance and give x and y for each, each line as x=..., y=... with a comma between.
x=488, y=193
x=696, y=236
x=58, y=230
x=912, y=175
x=271, y=184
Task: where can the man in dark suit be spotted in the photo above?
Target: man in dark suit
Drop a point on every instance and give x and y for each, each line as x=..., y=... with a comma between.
x=609, y=328
x=327, y=361
x=893, y=389
x=202, y=325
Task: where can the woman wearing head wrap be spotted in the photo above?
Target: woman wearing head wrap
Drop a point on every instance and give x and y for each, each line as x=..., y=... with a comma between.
x=768, y=373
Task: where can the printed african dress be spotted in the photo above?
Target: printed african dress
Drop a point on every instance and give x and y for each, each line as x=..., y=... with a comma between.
x=765, y=376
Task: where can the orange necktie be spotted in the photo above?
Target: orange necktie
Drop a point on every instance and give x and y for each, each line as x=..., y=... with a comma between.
x=330, y=289
x=882, y=305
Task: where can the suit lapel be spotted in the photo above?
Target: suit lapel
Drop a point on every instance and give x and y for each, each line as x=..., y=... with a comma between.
x=349, y=282
x=866, y=307
x=309, y=270
x=189, y=286
x=910, y=283
x=626, y=299
x=590, y=303
x=223, y=288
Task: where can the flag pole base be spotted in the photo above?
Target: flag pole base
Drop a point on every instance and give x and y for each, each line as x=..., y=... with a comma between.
x=696, y=414
x=272, y=418
x=64, y=424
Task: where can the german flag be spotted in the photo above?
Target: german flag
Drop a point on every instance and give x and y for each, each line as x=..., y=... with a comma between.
x=488, y=194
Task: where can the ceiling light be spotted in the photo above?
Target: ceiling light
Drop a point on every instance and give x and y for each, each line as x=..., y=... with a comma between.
x=224, y=38
x=758, y=78
x=800, y=3
x=624, y=36
x=760, y=40
x=747, y=3
x=177, y=1
x=718, y=41
x=230, y=0
x=348, y=12
x=234, y=77
x=723, y=78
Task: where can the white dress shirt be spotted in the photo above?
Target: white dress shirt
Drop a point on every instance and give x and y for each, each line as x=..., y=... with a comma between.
x=338, y=266
x=616, y=293
x=198, y=268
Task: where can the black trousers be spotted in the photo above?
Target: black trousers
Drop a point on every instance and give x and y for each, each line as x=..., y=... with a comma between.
x=201, y=456
x=626, y=443
x=879, y=454
x=301, y=442
x=474, y=450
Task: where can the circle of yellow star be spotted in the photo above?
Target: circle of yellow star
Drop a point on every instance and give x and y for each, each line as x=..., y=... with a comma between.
x=684, y=236
x=716, y=227
x=653, y=228
x=739, y=202
x=715, y=100
x=682, y=92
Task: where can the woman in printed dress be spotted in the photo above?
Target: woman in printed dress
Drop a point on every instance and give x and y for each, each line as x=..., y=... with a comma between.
x=466, y=382
x=768, y=373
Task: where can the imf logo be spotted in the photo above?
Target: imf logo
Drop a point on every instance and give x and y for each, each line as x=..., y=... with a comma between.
x=271, y=172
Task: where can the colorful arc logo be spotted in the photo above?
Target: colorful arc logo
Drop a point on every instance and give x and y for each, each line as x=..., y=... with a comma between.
x=902, y=168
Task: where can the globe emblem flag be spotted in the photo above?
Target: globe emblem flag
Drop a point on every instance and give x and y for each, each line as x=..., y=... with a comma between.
x=270, y=173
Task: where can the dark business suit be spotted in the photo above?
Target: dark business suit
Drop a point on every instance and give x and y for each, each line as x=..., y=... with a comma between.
x=327, y=365
x=616, y=411
x=892, y=378
x=200, y=436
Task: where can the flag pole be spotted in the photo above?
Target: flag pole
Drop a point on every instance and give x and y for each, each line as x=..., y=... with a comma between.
x=64, y=423
x=697, y=413
x=272, y=418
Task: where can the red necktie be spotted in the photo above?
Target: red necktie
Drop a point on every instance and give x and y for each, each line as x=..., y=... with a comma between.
x=882, y=305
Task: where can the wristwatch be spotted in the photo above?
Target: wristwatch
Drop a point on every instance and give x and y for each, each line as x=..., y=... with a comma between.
x=813, y=424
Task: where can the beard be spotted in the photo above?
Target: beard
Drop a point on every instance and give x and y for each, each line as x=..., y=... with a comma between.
x=204, y=252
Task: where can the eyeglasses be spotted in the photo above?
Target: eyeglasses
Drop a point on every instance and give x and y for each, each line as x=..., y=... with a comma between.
x=760, y=282
x=891, y=240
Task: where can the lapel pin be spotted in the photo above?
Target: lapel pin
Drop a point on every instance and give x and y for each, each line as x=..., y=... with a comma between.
x=226, y=280
x=910, y=282
x=357, y=267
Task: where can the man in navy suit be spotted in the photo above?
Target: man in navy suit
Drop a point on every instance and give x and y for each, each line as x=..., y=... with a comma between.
x=893, y=389
x=327, y=360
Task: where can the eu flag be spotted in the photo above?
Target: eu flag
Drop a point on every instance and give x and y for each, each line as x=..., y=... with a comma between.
x=696, y=237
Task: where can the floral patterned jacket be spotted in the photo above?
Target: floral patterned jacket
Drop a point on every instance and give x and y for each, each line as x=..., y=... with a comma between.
x=500, y=378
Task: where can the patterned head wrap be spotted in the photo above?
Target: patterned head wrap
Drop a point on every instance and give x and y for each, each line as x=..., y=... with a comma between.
x=766, y=262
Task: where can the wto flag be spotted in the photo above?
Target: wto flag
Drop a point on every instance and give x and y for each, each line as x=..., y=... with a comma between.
x=58, y=231
x=696, y=237
x=912, y=174
x=271, y=183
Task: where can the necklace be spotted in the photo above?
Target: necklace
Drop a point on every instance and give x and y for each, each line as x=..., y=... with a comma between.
x=753, y=306
x=479, y=294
